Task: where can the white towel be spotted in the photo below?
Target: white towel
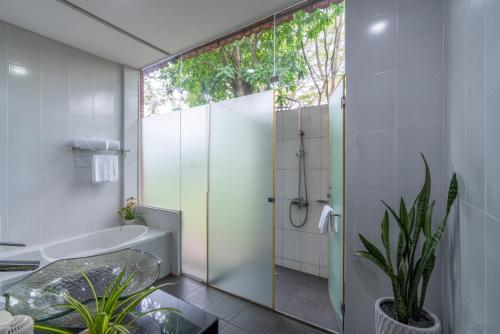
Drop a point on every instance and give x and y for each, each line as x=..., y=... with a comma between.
x=104, y=168
x=112, y=169
x=324, y=220
x=96, y=144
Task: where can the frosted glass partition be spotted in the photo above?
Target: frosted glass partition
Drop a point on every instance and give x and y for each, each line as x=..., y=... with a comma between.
x=240, y=235
x=336, y=238
x=161, y=160
x=194, y=169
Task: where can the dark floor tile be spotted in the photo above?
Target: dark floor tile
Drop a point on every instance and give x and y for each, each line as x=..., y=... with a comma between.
x=226, y=307
x=180, y=286
x=324, y=316
x=203, y=296
x=253, y=318
x=290, y=275
x=281, y=325
x=227, y=328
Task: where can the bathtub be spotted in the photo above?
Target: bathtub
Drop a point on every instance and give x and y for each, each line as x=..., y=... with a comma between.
x=139, y=237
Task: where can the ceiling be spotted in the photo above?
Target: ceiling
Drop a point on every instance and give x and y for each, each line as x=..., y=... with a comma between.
x=166, y=27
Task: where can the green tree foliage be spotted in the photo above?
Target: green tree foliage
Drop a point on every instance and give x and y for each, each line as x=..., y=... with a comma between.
x=305, y=52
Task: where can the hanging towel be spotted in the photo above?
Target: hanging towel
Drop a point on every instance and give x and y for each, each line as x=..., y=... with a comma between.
x=99, y=168
x=104, y=168
x=113, y=144
x=112, y=169
x=324, y=220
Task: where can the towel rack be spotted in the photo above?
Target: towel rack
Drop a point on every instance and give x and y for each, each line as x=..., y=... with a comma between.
x=124, y=152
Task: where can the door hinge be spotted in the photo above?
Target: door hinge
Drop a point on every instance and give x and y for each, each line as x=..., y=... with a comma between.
x=270, y=199
x=342, y=308
x=343, y=102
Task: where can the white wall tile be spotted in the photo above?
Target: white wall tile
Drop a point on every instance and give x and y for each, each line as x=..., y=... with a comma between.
x=376, y=105
x=310, y=248
x=476, y=136
x=278, y=243
x=291, y=123
x=291, y=245
x=492, y=274
x=309, y=268
x=492, y=10
x=420, y=95
x=323, y=272
x=289, y=158
x=375, y=160
x=279, y=125
x=278, y=213
x=410, y=166
x=312, y=147
x=376, y=43
x=311, y=121
x=24, y=86
x=23, y=48
x=279, y=185
x=295, y=265
x=492, y=154
x=54, y=93
x=290, y=184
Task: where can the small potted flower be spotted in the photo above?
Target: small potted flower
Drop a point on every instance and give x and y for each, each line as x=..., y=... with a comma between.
x=129, y=214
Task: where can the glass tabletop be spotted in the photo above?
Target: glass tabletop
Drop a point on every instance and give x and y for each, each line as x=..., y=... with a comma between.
x=189, y=320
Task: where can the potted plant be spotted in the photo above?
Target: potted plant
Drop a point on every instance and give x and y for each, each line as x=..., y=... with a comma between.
x=128, y=213
x=414, y=263
x=111, y=314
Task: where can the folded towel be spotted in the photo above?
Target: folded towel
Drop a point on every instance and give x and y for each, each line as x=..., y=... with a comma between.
x=105, y=168
x=96, y=144
x=114, y=144
x=328, y=214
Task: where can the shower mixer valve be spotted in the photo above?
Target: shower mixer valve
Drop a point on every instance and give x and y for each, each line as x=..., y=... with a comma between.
x=299, y=203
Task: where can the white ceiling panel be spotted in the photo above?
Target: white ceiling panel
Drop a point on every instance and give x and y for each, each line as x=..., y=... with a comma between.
x=61, y=23
x=178, y=25
x=167, y=25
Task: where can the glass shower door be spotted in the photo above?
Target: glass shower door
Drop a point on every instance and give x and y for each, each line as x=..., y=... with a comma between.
x=336, y=115
x=240, y=229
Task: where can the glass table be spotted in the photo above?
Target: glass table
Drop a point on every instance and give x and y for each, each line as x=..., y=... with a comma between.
x=190, y=319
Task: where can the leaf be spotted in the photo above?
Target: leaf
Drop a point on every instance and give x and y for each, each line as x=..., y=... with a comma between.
x=51, y=329
x=385, y=238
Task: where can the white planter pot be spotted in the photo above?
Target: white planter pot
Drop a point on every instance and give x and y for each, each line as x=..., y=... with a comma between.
x=130, y=222
x=384, y=324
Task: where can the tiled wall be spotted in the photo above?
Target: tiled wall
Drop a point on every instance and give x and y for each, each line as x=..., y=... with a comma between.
x=301, y=248
x=394, y=112
x=472, y=59
x=49, y=94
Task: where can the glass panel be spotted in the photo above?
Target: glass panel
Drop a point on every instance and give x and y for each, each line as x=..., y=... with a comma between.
x=336, y=238
x=240, y=235
x=161, y=160
x=194, y=166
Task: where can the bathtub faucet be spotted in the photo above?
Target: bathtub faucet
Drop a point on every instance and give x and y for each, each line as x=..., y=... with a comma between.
x=17, y=265
x=13, y=244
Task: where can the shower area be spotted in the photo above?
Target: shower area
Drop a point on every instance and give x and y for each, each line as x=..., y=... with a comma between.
x=250, y=180
x=251, y=159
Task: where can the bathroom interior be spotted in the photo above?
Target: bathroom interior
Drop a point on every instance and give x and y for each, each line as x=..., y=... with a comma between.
x=249, y=166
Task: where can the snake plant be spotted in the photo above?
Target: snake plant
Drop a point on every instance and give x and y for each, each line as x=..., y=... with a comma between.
x=414, y=262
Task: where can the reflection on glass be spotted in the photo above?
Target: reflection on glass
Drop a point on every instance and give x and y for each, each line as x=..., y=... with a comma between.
x=240, y=181
x=161, y=160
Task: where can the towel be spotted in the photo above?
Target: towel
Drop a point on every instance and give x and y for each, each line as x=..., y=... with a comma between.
x=104, y=168
x=324, y=220
x=96, y=144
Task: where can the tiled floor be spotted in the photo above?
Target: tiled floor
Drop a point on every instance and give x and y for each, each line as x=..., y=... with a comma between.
x=304, y=296
x=236, y=316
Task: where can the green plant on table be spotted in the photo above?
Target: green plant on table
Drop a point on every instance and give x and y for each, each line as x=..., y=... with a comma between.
x=111, y=314
x=411, y=273
x=129, y=211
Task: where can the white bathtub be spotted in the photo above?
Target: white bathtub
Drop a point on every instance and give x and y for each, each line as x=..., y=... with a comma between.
x=149, y=240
